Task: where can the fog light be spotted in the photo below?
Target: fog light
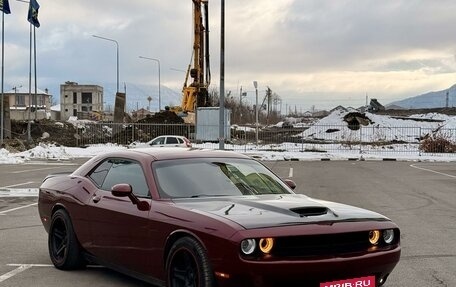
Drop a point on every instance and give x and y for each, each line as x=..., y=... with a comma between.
x=248, y=246
x=266, y=245
x=374, y=236
x=388, y=236
x=222, y=275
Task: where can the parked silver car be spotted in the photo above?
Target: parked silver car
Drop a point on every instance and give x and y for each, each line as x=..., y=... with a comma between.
x=165, y=141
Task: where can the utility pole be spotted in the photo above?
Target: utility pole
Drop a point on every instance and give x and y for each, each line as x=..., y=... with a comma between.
x=240, y=105
x=447, y=104
x=255, y=84
x=222, y=78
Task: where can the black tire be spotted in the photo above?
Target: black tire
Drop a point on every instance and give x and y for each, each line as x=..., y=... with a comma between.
x=63, y=245
x=187, y=265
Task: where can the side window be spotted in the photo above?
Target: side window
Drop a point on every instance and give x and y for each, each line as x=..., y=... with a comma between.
x=181, y=141
x=126, y=171
x=171, y=140
x=98, y=175
x=160, y=140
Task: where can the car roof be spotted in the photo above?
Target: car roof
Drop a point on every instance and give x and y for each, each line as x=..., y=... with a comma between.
x=173, y=153
x=150, y=154
x=170, y=136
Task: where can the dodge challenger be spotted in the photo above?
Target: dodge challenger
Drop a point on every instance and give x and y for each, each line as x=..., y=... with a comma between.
x=209, y=218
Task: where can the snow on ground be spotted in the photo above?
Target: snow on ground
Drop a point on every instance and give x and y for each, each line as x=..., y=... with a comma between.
x=286, y=151
x=9, y=158
x=243, y=128
x=380, y=129
x=53, y=152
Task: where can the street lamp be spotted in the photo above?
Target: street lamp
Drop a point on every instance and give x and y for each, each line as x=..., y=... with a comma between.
x=117, y=49
x=241, y=94
x=149, y=99
x=255, y=84
x=158, y=62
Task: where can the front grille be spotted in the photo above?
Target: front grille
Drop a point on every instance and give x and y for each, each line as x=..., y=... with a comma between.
x=332, y=245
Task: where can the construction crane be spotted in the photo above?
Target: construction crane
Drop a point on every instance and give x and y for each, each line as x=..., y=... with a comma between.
x=196, y=94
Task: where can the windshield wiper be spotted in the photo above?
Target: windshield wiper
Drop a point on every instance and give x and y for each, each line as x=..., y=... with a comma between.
x=244, y=188
x=208, y=195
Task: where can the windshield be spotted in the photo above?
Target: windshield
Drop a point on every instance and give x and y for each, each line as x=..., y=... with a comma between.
x=215, y=177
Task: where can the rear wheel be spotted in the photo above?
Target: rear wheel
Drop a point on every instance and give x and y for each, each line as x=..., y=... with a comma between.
x=63, y=246
x=188, y=266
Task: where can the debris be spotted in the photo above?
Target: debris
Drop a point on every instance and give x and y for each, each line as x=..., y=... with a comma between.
x=355, y=119
x=163, y=117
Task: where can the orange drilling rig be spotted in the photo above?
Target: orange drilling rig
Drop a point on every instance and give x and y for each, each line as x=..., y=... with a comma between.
x=196, y=94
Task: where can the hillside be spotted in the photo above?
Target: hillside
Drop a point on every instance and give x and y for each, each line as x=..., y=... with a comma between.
x=429, y=100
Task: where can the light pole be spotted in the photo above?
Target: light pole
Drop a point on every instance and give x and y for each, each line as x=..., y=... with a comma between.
x=255, y=84
x=149, y=99
x=222, y=78
x=117, y=50
x=159, y=95
x=241, y=94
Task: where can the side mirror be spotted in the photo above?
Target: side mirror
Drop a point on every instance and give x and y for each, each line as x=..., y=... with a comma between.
x=125, y=190
x=291, y=184
x=121, y=190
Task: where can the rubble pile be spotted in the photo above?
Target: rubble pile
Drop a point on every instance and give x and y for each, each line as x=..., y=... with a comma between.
x=355, y=119
x=164, y=117
x=46, y=131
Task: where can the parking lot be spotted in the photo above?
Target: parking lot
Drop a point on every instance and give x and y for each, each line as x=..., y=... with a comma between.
x=418, y=196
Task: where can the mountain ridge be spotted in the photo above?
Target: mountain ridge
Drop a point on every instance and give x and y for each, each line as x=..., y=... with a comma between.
x=430, y=100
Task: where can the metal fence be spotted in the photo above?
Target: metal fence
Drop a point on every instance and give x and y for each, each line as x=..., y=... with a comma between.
x=356, y=139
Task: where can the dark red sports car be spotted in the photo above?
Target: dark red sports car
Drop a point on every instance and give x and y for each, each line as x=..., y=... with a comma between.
x=209, y=218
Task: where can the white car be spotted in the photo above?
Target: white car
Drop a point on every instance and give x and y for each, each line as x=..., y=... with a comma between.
x=165, y=141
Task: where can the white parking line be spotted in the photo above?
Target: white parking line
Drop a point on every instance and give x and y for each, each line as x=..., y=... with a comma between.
x=19, y=184
x=433, y=171
x=31, y=265
x=56, y=163
x=35, y=169
x=290, y=173
x=17, y=208
x=16, y=271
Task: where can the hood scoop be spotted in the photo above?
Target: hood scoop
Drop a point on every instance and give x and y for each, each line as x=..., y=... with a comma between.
x=310, y=211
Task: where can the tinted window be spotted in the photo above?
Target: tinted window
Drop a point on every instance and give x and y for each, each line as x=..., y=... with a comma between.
x=181, y=141
x=98, y=175
x=125, y=171
x=171, y=140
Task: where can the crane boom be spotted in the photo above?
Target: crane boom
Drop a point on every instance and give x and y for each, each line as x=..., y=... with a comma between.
x=196, y=94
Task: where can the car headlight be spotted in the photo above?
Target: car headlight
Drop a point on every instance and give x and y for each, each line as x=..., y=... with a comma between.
x=266, y=245
x=388, y=236
x=248, y=246
x=374, y=236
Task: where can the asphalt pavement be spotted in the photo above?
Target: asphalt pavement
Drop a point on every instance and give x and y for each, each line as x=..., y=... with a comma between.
x=419, y=197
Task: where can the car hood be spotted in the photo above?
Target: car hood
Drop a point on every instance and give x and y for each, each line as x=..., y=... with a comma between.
x=277, y=210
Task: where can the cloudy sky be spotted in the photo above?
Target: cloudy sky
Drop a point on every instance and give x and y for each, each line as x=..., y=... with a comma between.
x=311, y=53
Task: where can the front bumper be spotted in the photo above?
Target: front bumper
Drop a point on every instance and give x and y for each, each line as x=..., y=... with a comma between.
x=306, y=273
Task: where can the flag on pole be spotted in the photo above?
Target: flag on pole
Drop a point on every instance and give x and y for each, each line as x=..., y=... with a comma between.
x=4, y=6
x=33, y=13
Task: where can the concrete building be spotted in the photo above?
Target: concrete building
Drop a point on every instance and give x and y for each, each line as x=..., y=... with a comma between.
x=20, y=103
x=82, y=101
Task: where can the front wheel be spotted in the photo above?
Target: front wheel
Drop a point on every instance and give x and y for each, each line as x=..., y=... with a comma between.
x=63, y=245
x=187, y=265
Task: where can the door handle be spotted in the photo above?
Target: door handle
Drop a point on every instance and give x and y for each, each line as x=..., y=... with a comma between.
x=96, y=198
